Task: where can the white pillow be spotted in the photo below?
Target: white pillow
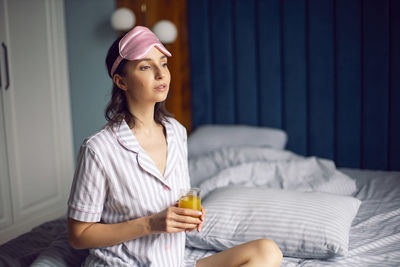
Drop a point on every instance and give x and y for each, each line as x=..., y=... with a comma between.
x=206, y=165
x=304, y=225
x=210, y=137
x=305, y=175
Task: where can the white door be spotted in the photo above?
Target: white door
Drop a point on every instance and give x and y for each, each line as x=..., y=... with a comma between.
x=37, y=112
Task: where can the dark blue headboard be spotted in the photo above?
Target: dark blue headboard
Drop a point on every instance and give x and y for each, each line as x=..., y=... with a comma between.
x=327, y=72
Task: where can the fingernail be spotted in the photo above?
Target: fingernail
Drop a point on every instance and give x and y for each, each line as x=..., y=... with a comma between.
x=200, y=213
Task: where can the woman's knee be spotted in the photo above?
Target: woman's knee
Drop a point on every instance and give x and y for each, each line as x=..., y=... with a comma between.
x=269, y=251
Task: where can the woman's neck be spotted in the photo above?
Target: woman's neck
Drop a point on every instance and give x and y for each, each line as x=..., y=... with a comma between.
x=144, y=118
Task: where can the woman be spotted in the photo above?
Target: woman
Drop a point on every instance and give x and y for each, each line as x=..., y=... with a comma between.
x=129, y=174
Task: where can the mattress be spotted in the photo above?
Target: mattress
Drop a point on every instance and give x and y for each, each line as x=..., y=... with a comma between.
x=374, y=235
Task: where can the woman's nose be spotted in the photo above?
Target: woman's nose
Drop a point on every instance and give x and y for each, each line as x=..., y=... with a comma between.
x=160, y=73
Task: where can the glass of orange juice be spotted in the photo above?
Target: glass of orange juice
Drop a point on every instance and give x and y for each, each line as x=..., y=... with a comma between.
x=191, y=200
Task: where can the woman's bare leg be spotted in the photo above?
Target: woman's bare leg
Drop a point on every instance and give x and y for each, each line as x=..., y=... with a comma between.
x=261, y=252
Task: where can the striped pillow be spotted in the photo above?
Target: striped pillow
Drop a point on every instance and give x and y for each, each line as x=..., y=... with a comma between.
x=304, y=225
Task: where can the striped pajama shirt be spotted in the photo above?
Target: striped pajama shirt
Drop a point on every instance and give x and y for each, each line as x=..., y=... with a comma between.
x=115, y=181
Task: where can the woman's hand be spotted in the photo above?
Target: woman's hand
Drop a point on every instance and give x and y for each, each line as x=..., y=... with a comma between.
x=174, y=219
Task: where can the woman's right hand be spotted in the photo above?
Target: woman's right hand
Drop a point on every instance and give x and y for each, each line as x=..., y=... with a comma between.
x=173, y=220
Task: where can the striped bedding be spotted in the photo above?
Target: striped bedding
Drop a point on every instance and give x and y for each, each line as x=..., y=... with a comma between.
x=374, y=234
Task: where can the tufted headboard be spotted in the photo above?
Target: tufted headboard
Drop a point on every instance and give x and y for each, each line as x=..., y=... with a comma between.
x=326, y=72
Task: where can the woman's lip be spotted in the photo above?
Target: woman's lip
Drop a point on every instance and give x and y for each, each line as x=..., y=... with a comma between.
x=161, y=87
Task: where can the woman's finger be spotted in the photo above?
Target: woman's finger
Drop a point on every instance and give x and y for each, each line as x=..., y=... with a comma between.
x=199, y=226
x=203, y=214
x=202, y=217
x=187, y=212
x=180, y=226
x=184, y=219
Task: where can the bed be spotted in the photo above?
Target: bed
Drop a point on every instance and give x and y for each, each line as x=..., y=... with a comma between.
x=252, y=187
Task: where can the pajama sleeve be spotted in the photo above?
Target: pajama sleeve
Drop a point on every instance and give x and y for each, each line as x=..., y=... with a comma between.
x=89, y=187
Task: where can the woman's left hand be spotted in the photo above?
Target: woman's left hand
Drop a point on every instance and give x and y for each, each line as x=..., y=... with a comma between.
x=202, y=217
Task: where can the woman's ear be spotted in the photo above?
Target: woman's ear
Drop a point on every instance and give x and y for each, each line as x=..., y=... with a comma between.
x=120, y=82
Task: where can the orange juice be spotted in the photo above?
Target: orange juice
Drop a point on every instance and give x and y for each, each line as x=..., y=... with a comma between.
x=190, y=202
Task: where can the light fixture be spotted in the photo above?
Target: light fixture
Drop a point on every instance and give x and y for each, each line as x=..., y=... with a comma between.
x=123, y=19
x=166, y=31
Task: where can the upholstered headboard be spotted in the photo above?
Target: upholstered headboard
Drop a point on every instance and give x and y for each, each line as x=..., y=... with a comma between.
x=326, y=72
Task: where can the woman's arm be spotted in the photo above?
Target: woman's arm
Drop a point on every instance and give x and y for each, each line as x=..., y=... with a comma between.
x=83, y=235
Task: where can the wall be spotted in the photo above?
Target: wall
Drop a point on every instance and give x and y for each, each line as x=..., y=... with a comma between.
x=327, y=72
x=89, y=35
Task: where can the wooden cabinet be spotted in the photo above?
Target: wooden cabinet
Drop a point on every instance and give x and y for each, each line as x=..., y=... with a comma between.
x=36, y=155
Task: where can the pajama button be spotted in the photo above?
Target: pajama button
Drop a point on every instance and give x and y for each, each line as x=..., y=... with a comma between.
x=166, y=188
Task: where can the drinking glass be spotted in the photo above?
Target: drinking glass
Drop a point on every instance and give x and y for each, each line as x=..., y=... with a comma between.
x=191, y=199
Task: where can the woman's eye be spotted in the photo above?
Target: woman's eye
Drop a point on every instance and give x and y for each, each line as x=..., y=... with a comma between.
x=144, y=67
x=164, y=64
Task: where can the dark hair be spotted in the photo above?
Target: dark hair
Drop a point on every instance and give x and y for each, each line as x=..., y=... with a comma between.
x=117, y=108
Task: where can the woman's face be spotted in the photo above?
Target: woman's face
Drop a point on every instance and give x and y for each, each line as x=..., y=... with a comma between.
x=147, y=80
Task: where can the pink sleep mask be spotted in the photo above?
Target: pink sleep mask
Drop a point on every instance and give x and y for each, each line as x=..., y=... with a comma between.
x=136, y=44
